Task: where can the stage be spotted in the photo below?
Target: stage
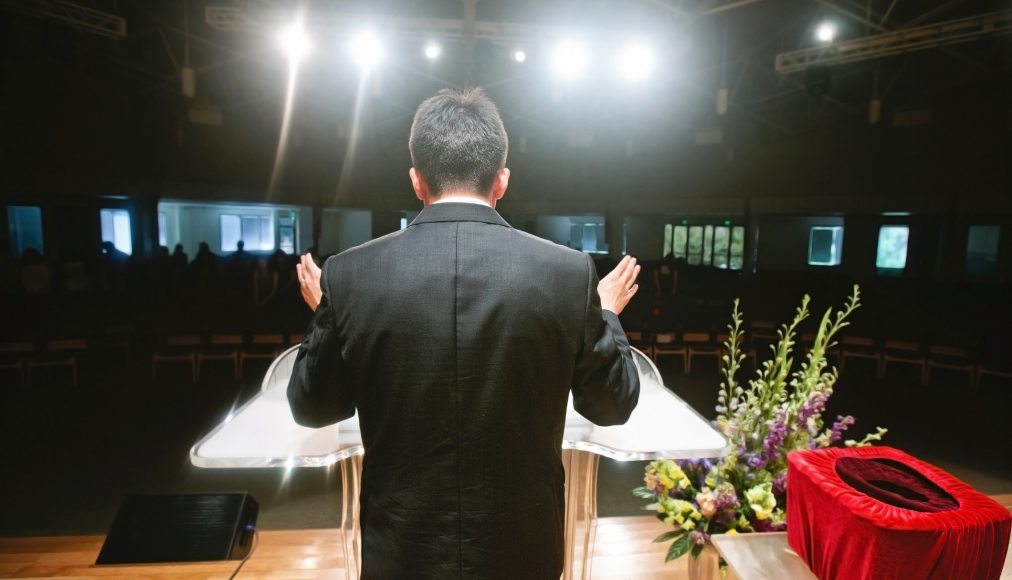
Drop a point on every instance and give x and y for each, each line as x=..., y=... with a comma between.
x=624, y=550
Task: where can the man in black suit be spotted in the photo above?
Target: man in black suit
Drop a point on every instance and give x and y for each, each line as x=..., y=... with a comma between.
x=458, y=340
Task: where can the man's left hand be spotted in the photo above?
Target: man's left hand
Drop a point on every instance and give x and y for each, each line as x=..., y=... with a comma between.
x=309, y=281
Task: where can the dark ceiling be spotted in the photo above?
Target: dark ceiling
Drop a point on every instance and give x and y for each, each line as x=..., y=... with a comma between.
x=94, y=102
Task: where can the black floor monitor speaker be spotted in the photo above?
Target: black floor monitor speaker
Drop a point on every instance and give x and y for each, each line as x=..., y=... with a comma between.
x=185, y=527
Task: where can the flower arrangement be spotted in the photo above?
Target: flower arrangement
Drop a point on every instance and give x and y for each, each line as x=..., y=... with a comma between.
x=777, y=412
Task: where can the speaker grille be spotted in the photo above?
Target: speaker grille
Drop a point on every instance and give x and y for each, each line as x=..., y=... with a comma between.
x=180, y=528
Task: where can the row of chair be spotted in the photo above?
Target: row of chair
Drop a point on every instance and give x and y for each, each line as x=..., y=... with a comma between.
x=25, y=357
x=925, y=358
x=193, y=350
x=691, y=345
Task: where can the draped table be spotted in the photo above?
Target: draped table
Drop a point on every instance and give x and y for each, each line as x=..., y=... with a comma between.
x=262, y=433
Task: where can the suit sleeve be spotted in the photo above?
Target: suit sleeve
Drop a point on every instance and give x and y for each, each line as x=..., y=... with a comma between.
x=606, y=386
x=318, y=392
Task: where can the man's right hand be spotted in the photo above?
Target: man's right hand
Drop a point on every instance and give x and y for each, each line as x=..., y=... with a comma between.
x=619, y=286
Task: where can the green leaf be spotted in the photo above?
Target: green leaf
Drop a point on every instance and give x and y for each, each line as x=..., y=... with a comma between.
x=666, y=536
x=678, y=549
x=644, y=493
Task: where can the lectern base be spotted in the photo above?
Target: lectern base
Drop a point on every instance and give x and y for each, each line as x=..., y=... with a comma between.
x=581, y=513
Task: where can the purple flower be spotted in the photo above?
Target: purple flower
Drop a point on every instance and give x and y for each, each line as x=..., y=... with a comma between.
x=698, y=538
x=775, y=436
x=780, y=485
x=726, y=497
x=815, y=405
x=841, y=424
x=755, y=460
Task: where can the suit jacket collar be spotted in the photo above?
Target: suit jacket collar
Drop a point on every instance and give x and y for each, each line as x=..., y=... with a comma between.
x=459, y=212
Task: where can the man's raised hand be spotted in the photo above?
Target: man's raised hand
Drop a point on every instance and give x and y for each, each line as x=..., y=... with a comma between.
x=619, y=286
x=309, y=281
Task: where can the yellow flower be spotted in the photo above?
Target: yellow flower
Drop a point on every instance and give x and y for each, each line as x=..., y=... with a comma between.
x=731, y=532
x=684, y=482
x=688, y=525
x=760, y=499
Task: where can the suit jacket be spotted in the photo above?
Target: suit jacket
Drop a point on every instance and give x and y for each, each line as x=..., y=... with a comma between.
x=458, y=340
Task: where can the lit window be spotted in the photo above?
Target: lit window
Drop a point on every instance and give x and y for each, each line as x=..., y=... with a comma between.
x=892, y=247
x=825, y=246
x=737, y=260
x=24, y=223
x=116, y=229
x=695, y=245
x=721, y=243
x=668, y=230
x=256, y=232
x=163, y=239
x=679, y=241
x=982, y=250
x=707, y=245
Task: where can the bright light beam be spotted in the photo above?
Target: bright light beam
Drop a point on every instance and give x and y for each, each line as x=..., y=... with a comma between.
x=296, y=44
x=519, y=56
x=433, y=50
x=366, y=50
x=635, y=62
x=294, y=41
x=570, y=60
x=825, y=32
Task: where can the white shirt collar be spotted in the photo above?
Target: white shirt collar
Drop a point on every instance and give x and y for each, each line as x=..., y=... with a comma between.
x=462, y=199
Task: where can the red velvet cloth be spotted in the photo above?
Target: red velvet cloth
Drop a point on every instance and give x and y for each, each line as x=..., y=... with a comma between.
x=845, y=533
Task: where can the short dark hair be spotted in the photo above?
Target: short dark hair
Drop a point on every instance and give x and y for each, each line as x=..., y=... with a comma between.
x=458, y=141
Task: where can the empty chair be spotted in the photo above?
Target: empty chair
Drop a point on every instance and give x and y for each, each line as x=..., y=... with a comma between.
x=994, y=362
x=13, y=356
x=58, y=353
x=700, y=344
x=221, y=347
x=860, y=347
x=903, y=352
x=177, y=349
x=636, y=339
x=953, y=358
x=762, y=334
x=260, y=347
x=666, y=345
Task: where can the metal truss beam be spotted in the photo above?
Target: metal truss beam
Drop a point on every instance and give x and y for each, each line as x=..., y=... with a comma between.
x=236, y=19
x=73, y=15
x=896, y=42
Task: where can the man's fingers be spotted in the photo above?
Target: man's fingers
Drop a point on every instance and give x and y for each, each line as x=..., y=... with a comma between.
x=619, y=270
x=629, y=276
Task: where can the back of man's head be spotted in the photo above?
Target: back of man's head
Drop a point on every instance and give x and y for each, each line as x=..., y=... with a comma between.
x=458, y=142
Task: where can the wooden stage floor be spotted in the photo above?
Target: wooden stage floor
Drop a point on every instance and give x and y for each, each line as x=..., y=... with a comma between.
x=624, y=550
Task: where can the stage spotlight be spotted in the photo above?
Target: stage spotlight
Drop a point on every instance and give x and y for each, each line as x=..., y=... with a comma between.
x=433, y=50
x=635, y=62
x=825, y=32
x=519, y=56
x=571, y=60
x=294, y=41
x=366, y=49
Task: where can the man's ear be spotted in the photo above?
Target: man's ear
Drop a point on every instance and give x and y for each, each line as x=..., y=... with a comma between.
x=502, y=180
x=418, y=184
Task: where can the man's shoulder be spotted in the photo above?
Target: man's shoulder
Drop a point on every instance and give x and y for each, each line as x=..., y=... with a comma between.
x=366, y=249
x=549, y=248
